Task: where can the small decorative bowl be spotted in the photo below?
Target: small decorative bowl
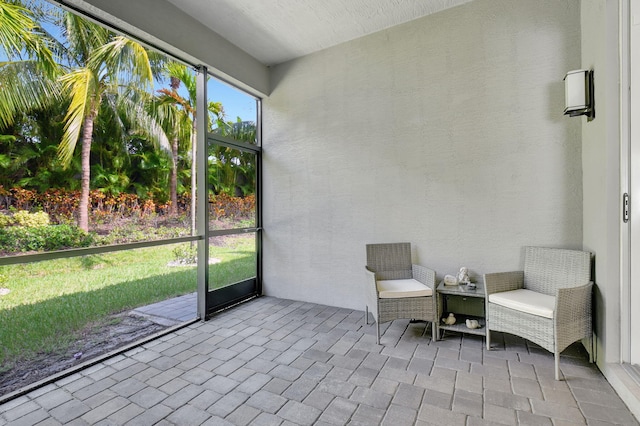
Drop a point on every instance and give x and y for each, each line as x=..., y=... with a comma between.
x=471, y=286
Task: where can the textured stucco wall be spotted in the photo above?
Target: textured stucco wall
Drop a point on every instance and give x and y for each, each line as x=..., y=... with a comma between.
x=446, y=132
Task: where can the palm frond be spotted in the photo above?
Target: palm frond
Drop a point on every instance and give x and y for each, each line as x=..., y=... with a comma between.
x=158, y=63
x=122, y=58
x=24, y=86
x=134, y=107
x=110, y=99
x=20, y=37
x=185, y=75
x=171, y=96
x=176, y=119
x=83, y=37
x=165, y=111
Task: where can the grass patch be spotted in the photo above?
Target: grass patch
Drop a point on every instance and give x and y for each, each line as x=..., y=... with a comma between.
x=50, y=302
x=238, y=261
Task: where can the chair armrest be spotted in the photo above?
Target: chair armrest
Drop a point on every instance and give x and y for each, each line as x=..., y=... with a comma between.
x=503, y=281
x=573, y=303
x=425, y=275
x=573, y=315
x=371, y=281
x=371, y=292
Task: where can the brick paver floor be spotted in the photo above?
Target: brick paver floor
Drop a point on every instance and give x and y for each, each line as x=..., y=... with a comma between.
x=280, y=362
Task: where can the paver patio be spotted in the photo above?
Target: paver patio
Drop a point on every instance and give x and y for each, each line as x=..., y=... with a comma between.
x=280, y=362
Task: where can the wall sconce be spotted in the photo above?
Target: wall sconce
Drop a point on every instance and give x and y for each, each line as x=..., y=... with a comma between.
x=578, y=93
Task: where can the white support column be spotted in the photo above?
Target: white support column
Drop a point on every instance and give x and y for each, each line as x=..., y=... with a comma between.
x=631, y=294
x=625, y=187
x=202, y=217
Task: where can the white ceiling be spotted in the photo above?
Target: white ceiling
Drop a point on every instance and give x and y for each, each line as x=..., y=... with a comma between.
x=275, y=31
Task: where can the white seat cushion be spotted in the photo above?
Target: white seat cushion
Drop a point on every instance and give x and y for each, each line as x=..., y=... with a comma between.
x=394, y=289
x=524, y=300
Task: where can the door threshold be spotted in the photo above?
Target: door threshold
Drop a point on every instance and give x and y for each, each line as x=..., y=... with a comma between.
x=625, y=379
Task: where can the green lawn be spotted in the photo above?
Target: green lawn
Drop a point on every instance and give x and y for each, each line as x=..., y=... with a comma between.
x=50, y=302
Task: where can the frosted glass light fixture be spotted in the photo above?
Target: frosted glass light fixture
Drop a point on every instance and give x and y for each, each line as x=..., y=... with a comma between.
x=578, y=94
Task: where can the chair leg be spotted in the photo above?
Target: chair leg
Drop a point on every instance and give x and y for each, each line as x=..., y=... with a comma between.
x=434, y=331
x=556, y=357
x=488, y=338
x=366, y=314
x=377, y=332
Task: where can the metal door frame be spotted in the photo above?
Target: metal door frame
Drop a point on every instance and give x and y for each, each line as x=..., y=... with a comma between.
x=210, y=302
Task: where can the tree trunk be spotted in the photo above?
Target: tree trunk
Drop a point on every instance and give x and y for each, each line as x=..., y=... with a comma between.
x=173, y=185
x=87, y=136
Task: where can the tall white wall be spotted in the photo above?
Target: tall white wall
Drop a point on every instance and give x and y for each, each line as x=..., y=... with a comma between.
x=446, y=132
x=601, y=163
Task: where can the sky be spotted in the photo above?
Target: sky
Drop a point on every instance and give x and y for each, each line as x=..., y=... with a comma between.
x=235, y=102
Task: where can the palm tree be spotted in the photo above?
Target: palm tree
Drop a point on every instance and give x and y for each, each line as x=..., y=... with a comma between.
x=95, y=67
x=235, y=169
x=100, y=64
x=28, y=77
x=170, y=110
x=179, y=74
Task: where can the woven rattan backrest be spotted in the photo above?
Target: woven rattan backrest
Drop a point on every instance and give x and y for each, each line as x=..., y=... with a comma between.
x=547, y=269
x=390, y=261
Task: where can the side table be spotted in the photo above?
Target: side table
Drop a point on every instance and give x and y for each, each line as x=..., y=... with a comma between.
x=465, y=304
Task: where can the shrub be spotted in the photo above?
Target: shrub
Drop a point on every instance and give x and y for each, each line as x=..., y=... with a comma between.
x=55, y=237
x=224, y=206
x=66, y=236
x=140, y=231
x=30, y=220
x=186, y=254
x=5, y=220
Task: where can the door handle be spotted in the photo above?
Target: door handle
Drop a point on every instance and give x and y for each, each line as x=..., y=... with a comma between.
x=625, y=207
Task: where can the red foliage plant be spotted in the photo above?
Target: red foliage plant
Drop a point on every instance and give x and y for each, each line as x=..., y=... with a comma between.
x=62, y=204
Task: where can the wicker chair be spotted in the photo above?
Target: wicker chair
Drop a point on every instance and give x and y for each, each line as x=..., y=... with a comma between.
x=549, y=303
x=397, y=289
